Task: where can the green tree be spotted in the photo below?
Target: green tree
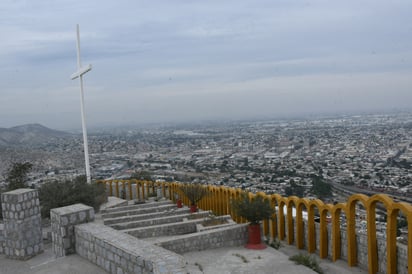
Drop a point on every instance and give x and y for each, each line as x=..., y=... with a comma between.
x=194, y=192
x=64, y=193
x=320, y=188
x=142, y=175
x=294, y=189
x=254, y=210
x=17, y=175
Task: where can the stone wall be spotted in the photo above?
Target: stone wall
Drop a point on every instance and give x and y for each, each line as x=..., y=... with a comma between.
x=235, y=235
x=63, y=220
x=163, y=230
x=22, y=224
x=117, y=252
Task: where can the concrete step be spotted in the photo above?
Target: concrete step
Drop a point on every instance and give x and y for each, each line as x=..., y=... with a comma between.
x=140, y=211
x=135, y=206
x=170, y=229
x=134, y=218
x=158, y=220
x=112, y=202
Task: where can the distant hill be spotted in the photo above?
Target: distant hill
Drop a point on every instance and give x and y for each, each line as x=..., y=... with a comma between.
x=30, y=134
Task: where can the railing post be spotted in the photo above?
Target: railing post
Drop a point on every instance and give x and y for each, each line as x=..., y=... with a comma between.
x=147, y=188
x=281, y=220
x=391, y=260
x=164, y=190
x=124, y=190
x=352, y=252
x=291, y=230
x=137, y=189
x=311, y=230
x=110, y=188
x=323, y=235
x=130, y=189
x=117, y=188
x=273, y=223
x=372, y=245
x=299, y=227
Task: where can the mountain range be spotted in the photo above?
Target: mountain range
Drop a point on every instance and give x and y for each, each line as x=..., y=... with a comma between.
x=30, y=134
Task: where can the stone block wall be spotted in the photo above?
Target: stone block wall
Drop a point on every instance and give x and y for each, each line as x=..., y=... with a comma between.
x=63, y=220
x=117, y=252
x=22, y=224
x=164, y=229
x=235, y=235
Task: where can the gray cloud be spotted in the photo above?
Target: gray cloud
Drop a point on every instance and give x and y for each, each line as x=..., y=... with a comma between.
x=188, y=60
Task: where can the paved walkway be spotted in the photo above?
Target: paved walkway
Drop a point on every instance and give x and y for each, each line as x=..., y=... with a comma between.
x=234, y=260
x=45, y=263
x=240, y=260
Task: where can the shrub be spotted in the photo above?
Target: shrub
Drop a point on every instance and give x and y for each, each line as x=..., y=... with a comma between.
x=194, y=192
x=58, y=194
x=275, y=243
x=17, y=175
x=307, y=261
x=254, y=210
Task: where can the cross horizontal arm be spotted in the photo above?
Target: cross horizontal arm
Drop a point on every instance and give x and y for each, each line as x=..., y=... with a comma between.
x=81, y=71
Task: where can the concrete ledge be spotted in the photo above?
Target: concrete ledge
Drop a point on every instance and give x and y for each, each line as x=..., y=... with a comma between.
x=117, y=252
x=228, y=222
x=157, y=221
x=139, y=211
x=235, y=235
x=125, y=206
x=164, y=229
x=146, y=216
x=112, y=202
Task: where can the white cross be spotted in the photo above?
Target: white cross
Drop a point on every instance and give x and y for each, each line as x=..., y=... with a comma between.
x=79, y=74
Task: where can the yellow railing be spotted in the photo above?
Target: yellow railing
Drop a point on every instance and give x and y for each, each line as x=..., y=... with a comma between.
x=220, y=196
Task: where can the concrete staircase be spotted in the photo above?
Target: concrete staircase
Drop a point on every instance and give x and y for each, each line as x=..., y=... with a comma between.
x=162, y=223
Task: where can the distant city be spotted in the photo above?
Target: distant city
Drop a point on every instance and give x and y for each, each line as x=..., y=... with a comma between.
x=371, y=153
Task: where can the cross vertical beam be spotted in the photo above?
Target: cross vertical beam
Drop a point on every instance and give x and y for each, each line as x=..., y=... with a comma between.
x=79, y=74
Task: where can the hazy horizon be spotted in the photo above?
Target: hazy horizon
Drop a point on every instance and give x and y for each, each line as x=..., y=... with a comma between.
x=180, y=61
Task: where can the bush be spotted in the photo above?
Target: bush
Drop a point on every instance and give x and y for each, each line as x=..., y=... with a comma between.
x=307, y=261
x=194, y=192
x=254, y=210
x=17, y=175
x=275, y=243
x=58, y=194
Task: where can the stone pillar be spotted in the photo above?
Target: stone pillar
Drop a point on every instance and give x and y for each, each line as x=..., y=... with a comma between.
x=22, y=223
x=63, y=220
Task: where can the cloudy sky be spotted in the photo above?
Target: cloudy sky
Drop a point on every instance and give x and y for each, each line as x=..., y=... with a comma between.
x=187, y=60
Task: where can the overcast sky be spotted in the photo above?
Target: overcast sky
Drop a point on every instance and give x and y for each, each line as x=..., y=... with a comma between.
x=171, y=61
